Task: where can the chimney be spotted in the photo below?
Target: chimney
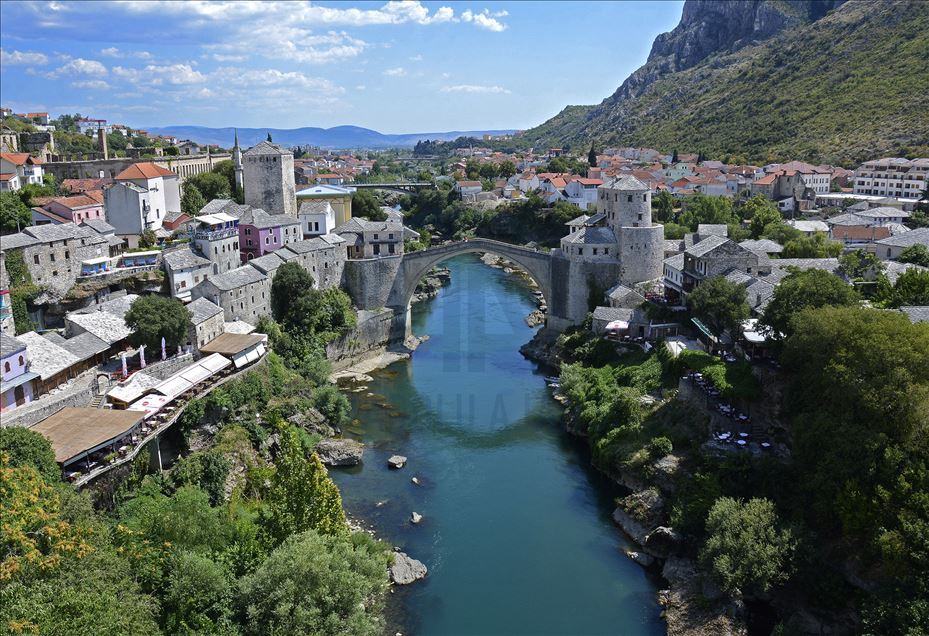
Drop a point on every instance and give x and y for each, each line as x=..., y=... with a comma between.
x=101, y=141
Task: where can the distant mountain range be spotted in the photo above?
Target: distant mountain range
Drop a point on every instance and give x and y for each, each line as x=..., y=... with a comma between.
x=340, y=137
x=769, y=80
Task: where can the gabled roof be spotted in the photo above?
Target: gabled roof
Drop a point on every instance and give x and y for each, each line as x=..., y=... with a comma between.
x=45, y=357
x=184, y=258
x=323, y=191
x=20, y=158
x=265, y=148
x=315, y=207
x=236, y=278
x=260, y=219
x=591, y=235
x=267, y=263
x=202, y=309
x=143, y=170
x=766, y=246
x=919, y=236
x=99, y=226
x=706, y=246
x=10, y=345
x=214, y=206
x=675, y=262
x=627, y=182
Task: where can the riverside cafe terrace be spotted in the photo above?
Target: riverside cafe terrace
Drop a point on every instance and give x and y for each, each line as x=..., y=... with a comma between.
x=89, y=441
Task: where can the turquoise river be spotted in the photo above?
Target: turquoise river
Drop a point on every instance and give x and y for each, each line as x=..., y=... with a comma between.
x=516, y=528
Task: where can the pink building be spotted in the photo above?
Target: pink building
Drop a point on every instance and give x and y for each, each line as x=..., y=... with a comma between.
x=260, y=232
x=78, y=208
x=17, y=379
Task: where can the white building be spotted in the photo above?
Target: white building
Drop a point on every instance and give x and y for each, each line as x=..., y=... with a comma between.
x=185, y=270
x=892, y=177
x=20, y=169
x=316, y=218
x=142, y=196
x=817, y=179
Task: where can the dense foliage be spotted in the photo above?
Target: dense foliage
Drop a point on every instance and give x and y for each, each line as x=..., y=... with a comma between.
x=720, y=303
x=804, y=289
x=317, y=316
x=154, y=317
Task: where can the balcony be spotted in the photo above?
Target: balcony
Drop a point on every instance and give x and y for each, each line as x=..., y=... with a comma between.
x=215, y=235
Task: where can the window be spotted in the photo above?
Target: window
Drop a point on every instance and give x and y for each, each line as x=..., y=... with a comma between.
x=375, y=237
x=248, y=242
x=629, y=198
x=390, y=236
x=183, y=284
x=35, y=259
x=6, y=367
x=267, y=240
x=51, y=257
x=390, y=248
x=580, y=251
x=377, y=249
x=22, y=361
x=640, y=217
x=595, y=251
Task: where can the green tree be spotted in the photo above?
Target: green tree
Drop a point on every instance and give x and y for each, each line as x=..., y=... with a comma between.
x=211, y=185
x=664, y=207
x=674, y=158
x=291, y=284
x=366, y=205
x=816, y=246
x=153, y=317
x=761, y=213
x=301, y=497
x=720, y=303
x=700, y=209
x=860, y=265
x=507, y=169
x=781, y=233
x=148, y=239
x=315, y=584
x=915, y=254
x=488, y=170
x=747, y=547
x=192, y=200
x=592, y=156
x=910, y=288
x=25, y=447
x=198, y=597
x=14, y=214
x=806, y=289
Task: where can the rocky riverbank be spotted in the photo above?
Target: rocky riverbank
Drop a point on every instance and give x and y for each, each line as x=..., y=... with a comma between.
x=535, y=317
x=431, y=283
x=692, y=604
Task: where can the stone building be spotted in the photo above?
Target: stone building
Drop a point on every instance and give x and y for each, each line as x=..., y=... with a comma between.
x=325, y=261
x=372, y=239
x=185, y=270
x=142, y=197
x=316, y=217
x=53, y=254
x=711, y=257
x=79, y=168
x=206, y=322
x=215, y=236
x=339, y=198
x=269, y=179
x=261, y=233
x=244, y=294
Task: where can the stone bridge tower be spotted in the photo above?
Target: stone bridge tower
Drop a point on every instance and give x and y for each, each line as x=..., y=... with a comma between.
x=269, y=179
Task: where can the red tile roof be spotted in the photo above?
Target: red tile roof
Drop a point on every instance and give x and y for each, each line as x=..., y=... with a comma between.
x=20, y=158
x=144, y=170
x=859, y=233
x=76, y=201
x=6, y=176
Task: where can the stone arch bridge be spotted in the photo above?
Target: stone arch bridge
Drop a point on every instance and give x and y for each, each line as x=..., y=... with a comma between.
x=565, y=285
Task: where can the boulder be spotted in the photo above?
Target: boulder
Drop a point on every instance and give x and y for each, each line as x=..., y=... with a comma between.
x=415, y=480
x=396, y=461
x=405, y=570
x=313, y=421
x=643, y=559
x=416, y=517
x=340, y=452
x=662, y=541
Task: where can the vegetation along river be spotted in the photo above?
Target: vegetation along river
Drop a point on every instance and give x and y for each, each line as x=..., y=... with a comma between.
x=516, y=528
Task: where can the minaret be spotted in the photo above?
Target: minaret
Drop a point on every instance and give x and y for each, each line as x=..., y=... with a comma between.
x=237, y=160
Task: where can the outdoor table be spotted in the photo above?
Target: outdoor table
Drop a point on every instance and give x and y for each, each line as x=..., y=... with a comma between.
x=123, y=449
x=765, y=445
x=741, y=442
x=743, y=417
x=743, y=434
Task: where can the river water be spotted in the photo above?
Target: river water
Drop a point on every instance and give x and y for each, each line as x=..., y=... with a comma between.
x=516, y=528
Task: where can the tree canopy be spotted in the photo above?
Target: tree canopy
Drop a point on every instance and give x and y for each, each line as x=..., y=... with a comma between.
x=14, y=214
x=211, y=185
x=720, y=303
x=366, y=205
x=804, y=289
x=816, y=246
x=25, y=447
x=192, y=200
x=154, y=317
x=915, y=254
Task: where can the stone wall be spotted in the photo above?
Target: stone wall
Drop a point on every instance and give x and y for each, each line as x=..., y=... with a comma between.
x=641, y=252
x=573, y=283
x=269, y=183
x=376, y=331
x=30, y=417
x=369, y=282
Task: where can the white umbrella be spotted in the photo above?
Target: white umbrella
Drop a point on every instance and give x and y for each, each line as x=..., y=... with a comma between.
x=142, y=356
x=125, y=366
x=164, y=354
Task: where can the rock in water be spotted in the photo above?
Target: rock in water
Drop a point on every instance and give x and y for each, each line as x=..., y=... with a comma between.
x=416, y=517
x=405, y=570
x=645, y=560
x=415, y=480
x=340, y=452
x=396, y=461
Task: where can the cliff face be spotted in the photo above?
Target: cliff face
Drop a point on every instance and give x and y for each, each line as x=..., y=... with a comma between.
x=771, y=79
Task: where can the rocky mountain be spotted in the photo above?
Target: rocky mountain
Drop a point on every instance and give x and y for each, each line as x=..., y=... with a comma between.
x=339, y=137
x=823, y=80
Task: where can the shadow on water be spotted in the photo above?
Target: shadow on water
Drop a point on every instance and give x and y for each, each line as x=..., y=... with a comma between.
x=517, y=530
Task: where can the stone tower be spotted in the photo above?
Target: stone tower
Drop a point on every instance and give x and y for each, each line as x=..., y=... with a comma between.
x=269, y=179
x=627, y=203
x=237, y=161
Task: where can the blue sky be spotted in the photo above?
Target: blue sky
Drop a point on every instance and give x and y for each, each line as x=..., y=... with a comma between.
x=395, y=67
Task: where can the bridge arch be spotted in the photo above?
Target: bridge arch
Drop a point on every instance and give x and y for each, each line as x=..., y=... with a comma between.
x=416, y=265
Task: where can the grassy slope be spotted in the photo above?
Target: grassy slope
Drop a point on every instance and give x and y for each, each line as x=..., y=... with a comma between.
x=851, y=86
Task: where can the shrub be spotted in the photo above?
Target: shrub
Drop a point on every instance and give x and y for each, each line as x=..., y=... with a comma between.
x=659, y=447
x=24, y=447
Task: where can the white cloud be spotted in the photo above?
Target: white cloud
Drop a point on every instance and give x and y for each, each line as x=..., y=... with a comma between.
x=483, y=20
x=360, y=87
x=99, y=85
x=474, y=88
x=399, y=71
x=22, y=57
x=416, y=58
x=158, y=75
x=112, y=51
x=78, y=66
x=219, y=57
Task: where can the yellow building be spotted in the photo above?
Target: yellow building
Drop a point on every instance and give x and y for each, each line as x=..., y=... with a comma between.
x=339, y=198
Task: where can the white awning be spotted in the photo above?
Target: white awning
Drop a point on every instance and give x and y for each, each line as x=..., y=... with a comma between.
x=617, y=325
x=151, y=404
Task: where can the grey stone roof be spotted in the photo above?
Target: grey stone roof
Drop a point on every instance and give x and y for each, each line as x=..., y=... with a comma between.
x=265, y=148
x=332, y=239
x=108, y=327
x=16, y=241
x=712, y=229
x=317, y=206
x=599, y=217
x=267, y=263
x=62, y=232
x=882, y=212
x=893, y=269
x=591, y=235
x=358, y=224
x=83, y=346
x=10, y=345
x=674, y=245
x=99, y=226
x=825, y=264
x=809, y=226
x=238, y=277
x=613, y=313
x=676, y=261
x=706, y=245
x=848, y=219
x=286, y=254
x=578, y=221
x=919, y=236
x=184, y=258
x=262, y=220
x=308, y=245
x=202, y=309
x=117, y=306
x=627, y=182
x=764, y=246
x=45, y=357
x=916, y=314
x=214, y=206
